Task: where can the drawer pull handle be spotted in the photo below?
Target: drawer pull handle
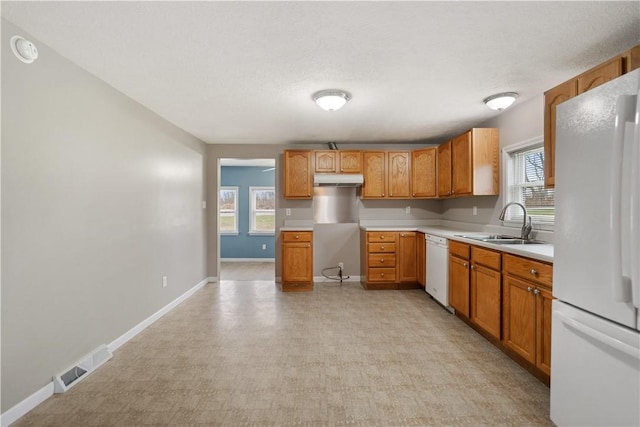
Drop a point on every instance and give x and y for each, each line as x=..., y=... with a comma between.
x=534, y=272
x=382, y=248
x=297, y=237
x=382, y=237
x=381, y=260
x=536, y=291
x=381, y=274
x=529, y=288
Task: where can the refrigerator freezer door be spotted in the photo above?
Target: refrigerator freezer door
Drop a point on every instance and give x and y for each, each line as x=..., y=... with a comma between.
x=584, y=240
x=595, y=370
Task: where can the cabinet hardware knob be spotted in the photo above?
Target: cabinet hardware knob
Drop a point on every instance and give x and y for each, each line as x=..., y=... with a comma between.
x=529, y=288
x=464, y=264
x=453, y=191
x=381, y=260
x=536, y=291
x=390, y=194
x=382, y=248
x=534, y=272
x=382, y=194
x=381, y=274
x=297, y=237
x=401, y=234
x=382, y=237
x=473, y=267
x=414, y=194
x=308, y=246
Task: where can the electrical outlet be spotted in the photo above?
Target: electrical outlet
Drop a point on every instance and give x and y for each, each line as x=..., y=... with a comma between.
x=287, y=212
x=164, y=281
x=407, y=210
x=475, y=210
x=264, y=247
x=204, y=204
x=341, y=265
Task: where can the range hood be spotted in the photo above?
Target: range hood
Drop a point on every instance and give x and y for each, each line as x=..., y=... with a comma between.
x=338, y=180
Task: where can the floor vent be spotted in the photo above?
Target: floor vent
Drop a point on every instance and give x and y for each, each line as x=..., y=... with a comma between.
x=84, y=367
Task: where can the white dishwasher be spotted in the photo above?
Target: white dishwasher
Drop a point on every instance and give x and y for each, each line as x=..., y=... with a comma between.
x=438, y=269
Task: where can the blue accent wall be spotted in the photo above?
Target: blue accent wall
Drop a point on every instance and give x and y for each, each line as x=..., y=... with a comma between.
x=243, y=245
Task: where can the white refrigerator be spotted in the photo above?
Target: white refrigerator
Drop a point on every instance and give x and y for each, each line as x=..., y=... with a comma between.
x=595, y=339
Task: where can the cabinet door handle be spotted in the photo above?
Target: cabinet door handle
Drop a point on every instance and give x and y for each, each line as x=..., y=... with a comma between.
x=414, y=194
x=473, y=267
x=536, y=291
x=529, y=288
x=401, y=234
x=382, y=194
x=534, y=272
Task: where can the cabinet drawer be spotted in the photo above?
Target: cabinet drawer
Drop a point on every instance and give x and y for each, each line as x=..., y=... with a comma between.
x=381, y=275
x=459, y=249
x=382, y=260
x=381, y=236
x=528, y=269
x=485, y=257
x=382, y=248
x=297, y=236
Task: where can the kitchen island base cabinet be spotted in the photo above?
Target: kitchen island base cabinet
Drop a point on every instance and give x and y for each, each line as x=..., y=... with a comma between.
x=297, y=261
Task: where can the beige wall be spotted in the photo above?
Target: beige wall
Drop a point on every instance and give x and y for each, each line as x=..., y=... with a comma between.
x=100, y=199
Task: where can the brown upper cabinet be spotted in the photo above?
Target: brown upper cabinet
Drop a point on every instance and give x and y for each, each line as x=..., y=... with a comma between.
x=374, y=164
x=298, y=183
x=423, y=172
x=399, y=174
x=444, y=169
x=600, y=74
x=338, y=161
x=475, y=164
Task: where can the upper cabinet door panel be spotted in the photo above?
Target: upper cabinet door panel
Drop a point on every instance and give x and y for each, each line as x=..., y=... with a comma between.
x=350, y=161
x=399, y=168
x=444, y=169
x=423, y=172
x=462, y=179
x=326, y=161
x=297, y=174
x=374, y=163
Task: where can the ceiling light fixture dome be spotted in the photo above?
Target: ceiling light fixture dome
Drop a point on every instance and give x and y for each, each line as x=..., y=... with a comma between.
x=500, y=101
x=331, y=99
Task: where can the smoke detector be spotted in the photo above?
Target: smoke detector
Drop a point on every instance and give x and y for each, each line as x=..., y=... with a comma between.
x=23, y=49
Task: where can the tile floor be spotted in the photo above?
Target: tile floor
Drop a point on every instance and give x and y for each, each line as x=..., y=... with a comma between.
x=244, y=271
x=239, y=353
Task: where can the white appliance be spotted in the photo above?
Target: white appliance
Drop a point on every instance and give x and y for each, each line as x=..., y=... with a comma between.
x=595, y=347
x=437, y=253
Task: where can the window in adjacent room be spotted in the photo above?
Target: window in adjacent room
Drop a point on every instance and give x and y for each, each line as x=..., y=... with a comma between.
x=263, y=210
x=228, y=210
x=525, y=184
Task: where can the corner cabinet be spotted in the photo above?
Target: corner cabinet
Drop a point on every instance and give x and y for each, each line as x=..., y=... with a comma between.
x=592, y=78
x=469, y=164
x=297, y=261
x=298, y=179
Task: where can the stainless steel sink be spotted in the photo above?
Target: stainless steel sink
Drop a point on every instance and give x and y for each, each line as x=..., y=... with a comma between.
x=502, y=239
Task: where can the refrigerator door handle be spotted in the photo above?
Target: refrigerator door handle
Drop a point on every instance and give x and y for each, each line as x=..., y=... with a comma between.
x=625, y=112
x=599, y=336
x=635, y=210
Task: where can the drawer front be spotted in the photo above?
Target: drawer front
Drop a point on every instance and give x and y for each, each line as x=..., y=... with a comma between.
x=382, y=248
x=382, y=260
x=297, y=236
x=459, y=249
x=381, y=236
x=381, y=275
x=485, y=257
x=528, y=269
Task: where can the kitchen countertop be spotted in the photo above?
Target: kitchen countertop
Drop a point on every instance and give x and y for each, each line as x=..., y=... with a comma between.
x=540, y=252
x=296, y=228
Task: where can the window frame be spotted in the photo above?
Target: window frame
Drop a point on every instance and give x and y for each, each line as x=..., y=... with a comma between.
x=507, y=153
x=236, y=191
x=252, y=210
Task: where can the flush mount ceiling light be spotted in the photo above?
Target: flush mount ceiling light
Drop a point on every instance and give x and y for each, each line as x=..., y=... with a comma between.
x=500, y=101
x=331, y=99
x=23, y=49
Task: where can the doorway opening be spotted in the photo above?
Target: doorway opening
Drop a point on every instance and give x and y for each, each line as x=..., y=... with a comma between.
x=246, y=219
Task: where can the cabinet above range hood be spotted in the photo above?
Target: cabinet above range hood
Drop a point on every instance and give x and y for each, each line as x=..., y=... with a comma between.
x=337, y=180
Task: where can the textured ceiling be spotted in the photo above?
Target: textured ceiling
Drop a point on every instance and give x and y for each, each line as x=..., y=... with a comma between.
x=244, y=72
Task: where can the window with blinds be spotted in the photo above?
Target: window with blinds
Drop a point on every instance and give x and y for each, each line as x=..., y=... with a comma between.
x=526, y=186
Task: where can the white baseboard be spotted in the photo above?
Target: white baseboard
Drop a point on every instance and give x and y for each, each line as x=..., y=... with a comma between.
x=26, y=405
x=20, y=409
x=212, y=279
x=118, y=342
x=247, y=260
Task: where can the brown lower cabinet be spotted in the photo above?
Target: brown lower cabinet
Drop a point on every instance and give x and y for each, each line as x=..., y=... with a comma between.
x=389, y=260
x=297, y=261
x=507, y=298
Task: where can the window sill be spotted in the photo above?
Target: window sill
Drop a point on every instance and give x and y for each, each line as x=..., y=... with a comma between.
x=231, y=233
x=262, y=233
